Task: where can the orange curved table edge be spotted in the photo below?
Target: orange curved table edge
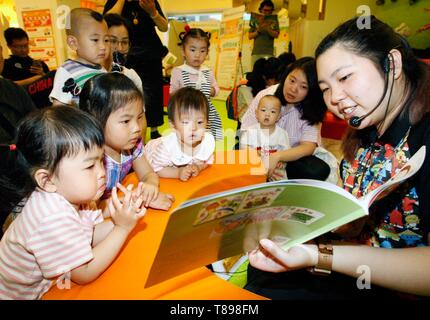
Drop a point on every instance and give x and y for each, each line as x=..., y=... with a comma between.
x=126, y=277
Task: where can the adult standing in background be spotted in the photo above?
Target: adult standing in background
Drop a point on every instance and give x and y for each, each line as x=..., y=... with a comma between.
x=264, y=33
x=20, y=67
x=146, y=52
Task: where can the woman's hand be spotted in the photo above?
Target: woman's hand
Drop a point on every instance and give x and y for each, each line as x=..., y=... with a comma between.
x=270, y=257
x=148, y=6
x=127, y=212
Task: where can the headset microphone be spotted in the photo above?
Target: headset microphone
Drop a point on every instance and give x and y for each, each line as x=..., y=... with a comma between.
x=356, y=121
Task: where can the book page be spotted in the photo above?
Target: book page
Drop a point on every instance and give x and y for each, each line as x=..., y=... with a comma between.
x=408, y=170
x=230, y=223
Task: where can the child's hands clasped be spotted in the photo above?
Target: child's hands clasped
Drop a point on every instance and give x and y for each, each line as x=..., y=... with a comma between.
x=127, y=212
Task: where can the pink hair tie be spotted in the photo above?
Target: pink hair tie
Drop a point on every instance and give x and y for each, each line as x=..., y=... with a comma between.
x=12, y=147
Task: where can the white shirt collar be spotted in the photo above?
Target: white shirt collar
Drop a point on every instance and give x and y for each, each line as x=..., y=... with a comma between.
x=179, y=158
x=201, y=78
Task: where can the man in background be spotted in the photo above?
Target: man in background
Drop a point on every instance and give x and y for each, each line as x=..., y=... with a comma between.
x=264, y=31
x=20, y=67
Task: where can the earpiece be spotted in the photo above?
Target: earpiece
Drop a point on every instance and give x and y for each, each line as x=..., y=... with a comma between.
x=386, y=64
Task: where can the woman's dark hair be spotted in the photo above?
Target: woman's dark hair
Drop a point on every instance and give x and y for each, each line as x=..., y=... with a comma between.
x=43, y=139
x=256, y=77
x=195, y=33
x=271, y=69
x=186, y=99
x=312, y=107
x=375, y=44
x=116, y=20
x=286, y=58
x=105, y=93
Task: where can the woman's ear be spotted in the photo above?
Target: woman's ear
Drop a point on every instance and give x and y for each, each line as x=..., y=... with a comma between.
x=44, y=181
x=396, y=63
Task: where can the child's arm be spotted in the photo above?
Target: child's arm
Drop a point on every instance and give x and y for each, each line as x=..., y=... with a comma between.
x=214, y=85
x=150, y=179
x=124, y=216
x=57, y=96
x=176, y=82
x=182, y=173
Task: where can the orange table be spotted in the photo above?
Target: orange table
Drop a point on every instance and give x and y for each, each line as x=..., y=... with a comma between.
x=126, y=277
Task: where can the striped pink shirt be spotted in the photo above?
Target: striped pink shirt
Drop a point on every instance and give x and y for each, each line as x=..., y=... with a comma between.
x=47, y=239
x=298, y=130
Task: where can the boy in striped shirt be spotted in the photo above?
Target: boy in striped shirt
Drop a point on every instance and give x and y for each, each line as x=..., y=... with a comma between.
x=88, y=37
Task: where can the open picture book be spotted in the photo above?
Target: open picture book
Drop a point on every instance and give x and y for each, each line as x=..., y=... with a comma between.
x=289, y=212
x=257, y=19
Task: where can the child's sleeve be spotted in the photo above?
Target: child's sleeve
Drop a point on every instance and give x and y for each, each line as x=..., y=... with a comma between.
x=61, y=243
x=57, y=93
x=157, y=155
x=214, y=84
x=138, y=150
x=244, y=139
x=176, y=82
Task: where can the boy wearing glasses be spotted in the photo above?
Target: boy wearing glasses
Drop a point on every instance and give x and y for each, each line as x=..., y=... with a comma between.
x=20, y=67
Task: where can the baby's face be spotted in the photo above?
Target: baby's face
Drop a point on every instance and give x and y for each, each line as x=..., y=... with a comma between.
x=92, y=42
x=268, y=112
x=190, y=127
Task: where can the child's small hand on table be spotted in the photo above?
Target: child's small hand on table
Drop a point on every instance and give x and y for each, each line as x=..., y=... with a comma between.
x=163, y=201
x=148, y=192
x=195, y=170
x=185, y=172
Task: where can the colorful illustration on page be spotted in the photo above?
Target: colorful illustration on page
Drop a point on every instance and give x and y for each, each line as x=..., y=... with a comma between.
x=260, y=198
x=218, y=208
x=303, y=215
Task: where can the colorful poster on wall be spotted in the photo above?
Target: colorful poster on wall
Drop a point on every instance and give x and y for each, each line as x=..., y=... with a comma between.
x=38, y=25
x=281, y=43
x=230, y=39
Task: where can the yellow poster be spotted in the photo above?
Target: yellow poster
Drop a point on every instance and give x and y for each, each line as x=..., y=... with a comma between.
x=38, y=25
x=230, y=39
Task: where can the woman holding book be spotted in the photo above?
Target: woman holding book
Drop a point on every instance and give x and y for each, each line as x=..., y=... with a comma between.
x=370, y=78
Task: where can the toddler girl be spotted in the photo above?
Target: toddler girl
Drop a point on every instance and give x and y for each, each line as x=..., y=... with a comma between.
x=49, y=179
x=195, y=48
x=189, y=149
x=115, y=101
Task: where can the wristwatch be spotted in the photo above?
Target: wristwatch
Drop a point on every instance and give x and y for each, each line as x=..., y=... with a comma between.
x=325, y=259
